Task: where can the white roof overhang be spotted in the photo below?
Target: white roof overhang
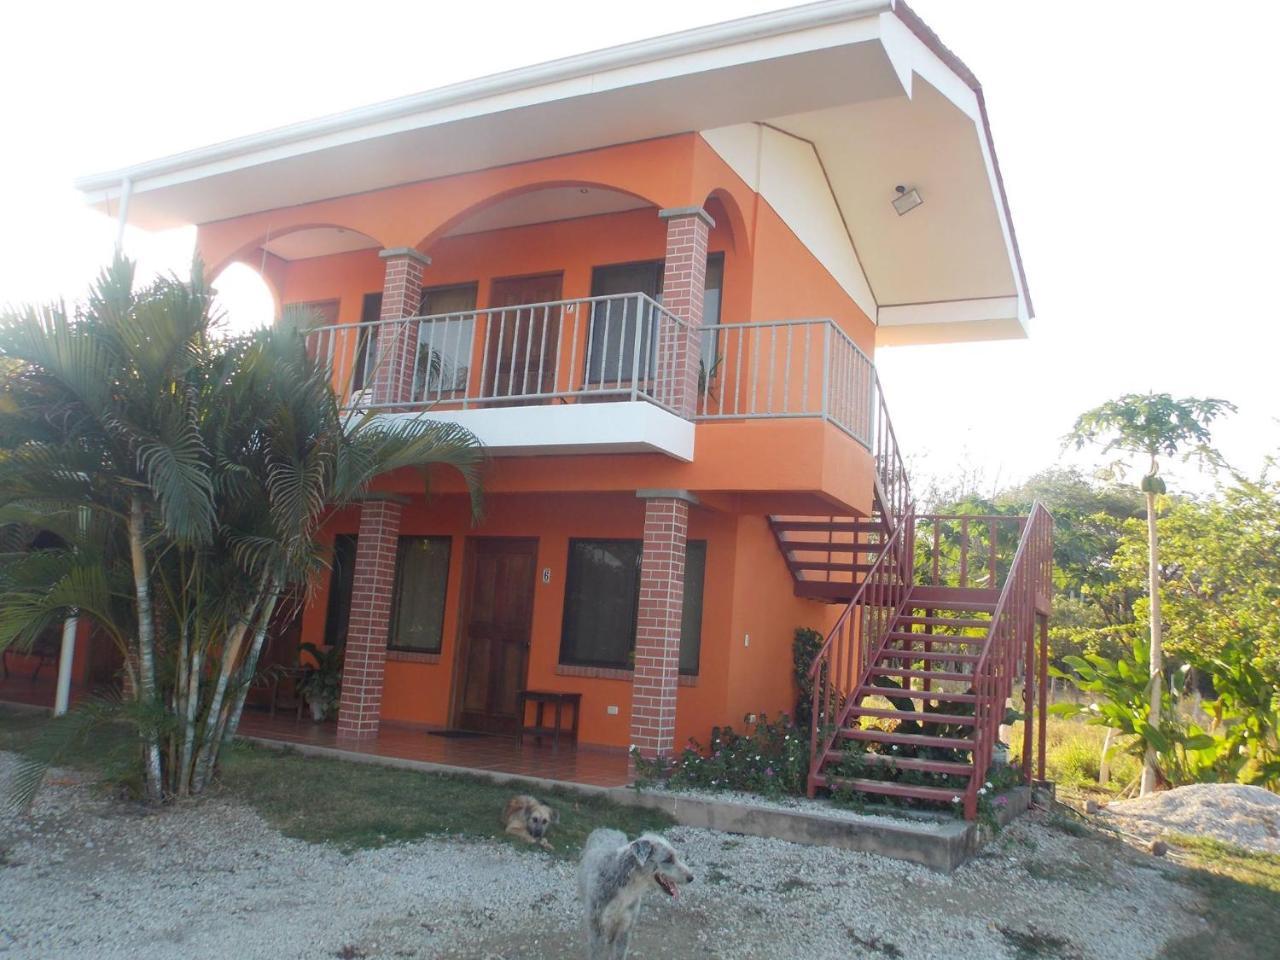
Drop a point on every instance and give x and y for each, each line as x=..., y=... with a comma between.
x=863, y=81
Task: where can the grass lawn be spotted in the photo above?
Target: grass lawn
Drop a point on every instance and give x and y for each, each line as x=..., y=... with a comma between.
x=351, y=805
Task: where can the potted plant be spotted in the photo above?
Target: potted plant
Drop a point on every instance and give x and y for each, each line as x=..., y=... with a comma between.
x=321, y=682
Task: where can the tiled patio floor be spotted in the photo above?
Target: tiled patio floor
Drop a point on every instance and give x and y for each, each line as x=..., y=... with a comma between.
x=597, y=767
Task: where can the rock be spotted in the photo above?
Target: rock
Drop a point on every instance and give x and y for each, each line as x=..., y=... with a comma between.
x=1091, y=807
x=1158, y=848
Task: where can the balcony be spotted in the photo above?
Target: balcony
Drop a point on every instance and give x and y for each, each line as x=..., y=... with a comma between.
x=598, y=374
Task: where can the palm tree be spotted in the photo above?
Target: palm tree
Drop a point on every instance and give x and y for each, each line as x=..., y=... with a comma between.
x=203, y=467
x=1152, y=425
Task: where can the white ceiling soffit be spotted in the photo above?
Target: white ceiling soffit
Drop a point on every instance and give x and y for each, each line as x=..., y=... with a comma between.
x=546, y=206
x=944, y=271
x=318, y=242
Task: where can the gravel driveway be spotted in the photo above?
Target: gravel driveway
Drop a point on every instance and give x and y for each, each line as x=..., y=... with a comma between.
x=89, y=877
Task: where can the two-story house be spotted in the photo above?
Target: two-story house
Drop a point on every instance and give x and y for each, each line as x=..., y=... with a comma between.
x=652, y=280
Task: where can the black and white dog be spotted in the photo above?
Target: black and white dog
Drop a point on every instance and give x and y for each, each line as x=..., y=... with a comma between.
x=613, y=878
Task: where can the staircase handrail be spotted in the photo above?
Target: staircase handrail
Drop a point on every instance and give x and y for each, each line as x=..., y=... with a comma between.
x=866, y=650
x=891, y=469
x=1019, y=589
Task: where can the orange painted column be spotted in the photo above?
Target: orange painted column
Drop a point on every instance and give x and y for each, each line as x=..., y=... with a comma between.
x=364, y=664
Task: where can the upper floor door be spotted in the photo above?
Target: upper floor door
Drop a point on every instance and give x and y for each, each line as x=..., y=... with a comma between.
x=522, y=340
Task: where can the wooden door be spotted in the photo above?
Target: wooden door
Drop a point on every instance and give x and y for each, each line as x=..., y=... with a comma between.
x=522, y=340
x=497, y=621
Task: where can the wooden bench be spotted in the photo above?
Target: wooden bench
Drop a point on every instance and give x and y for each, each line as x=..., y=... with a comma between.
x=542, y=699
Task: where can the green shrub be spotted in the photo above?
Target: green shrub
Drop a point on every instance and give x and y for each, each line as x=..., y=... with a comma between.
x=770, y=758
x=804, y=648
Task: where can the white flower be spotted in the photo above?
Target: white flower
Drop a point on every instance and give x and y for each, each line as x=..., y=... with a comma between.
x=955, y=799
x=982, y=791
x=987, y=784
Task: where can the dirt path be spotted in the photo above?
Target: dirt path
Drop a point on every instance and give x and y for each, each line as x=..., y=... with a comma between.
x=88, y=877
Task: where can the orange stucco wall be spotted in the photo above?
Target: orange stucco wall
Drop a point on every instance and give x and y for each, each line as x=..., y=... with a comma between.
x=741, y=470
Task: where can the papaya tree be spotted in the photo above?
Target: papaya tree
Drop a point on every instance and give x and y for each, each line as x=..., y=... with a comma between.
x=1149, y=427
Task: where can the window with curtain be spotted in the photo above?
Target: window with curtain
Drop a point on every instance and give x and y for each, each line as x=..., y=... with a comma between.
x=602, y=591
x=341, y=579
x=417, y=600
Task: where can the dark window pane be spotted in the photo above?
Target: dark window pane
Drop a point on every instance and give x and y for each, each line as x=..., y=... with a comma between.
x=695, y=569
x=711, y=311
x=444, y=344
x=417, y=603
x=611, y=357
x=367, y=342
x=341, y=578
x=602, y=587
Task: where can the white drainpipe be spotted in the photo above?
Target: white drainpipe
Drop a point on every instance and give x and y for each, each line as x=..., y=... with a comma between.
x=126, y=191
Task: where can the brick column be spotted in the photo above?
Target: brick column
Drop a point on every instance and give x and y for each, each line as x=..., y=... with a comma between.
x=360, y=705
x=398, y=344
x=657, y=667
x=684, y=280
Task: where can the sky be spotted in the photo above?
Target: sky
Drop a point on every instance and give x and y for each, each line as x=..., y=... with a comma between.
x=1134, y=138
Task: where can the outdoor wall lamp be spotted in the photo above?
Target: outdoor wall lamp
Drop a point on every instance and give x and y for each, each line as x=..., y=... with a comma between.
x=906, y=200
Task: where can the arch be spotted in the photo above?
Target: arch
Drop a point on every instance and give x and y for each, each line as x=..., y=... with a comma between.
x=220, y=248
x=249, y=298
x=461, y=214
x=726, y=204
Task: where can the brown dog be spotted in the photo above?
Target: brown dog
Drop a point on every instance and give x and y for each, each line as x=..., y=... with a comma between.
x=529, y=820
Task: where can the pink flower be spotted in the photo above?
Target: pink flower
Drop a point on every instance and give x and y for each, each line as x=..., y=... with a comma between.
x=1001, y=801
x=768, y=771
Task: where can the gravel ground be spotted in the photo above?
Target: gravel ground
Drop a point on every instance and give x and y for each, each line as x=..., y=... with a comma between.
x=87, y=876
x=1247, y=816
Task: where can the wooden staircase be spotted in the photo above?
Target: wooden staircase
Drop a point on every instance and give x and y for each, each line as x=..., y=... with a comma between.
x=941, y=616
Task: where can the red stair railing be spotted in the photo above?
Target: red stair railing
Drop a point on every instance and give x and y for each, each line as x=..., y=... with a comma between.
x=1010, y=643
x=854, y=642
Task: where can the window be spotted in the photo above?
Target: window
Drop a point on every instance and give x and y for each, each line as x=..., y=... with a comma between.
x=417, y=601
x=341, y=578
x=602, y=591
x=444, y=345
x=612, y=349
x=711, y=311
x=367, y=344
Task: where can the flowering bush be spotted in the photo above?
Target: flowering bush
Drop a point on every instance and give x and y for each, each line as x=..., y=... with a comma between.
x=770, y=758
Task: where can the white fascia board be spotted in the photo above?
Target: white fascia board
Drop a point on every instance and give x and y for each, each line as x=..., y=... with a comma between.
x=951, y=311
x=765, y=36
x=575, y=428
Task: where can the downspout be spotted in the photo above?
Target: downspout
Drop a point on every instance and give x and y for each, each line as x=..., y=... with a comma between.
x=126, y=191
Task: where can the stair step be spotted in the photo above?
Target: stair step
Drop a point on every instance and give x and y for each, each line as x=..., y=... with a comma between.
x=944, y=621
x=906, y=739
x=889, y=788
x=894, y=653
x=827, y=526
x=935, y=637
x=946, y=695
x=831, y=567
x=921, y=674
x=904, y=763
x=917, y=716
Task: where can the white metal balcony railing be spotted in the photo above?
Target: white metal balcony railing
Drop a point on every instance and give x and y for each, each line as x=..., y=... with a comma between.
x=623, y=347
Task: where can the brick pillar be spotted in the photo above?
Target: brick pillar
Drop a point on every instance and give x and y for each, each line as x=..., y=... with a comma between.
x=684, y=280
x=361, y=702
x=657, y=667
x=398, y=343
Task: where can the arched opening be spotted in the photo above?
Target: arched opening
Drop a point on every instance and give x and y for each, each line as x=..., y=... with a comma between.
x=244, y=298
